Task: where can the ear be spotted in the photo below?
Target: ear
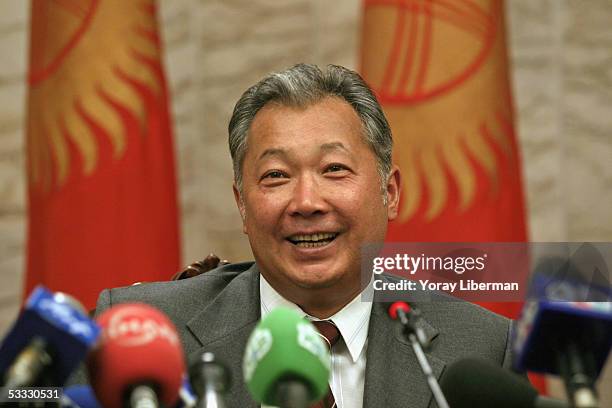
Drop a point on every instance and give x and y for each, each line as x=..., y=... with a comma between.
x=394, y=186
x=241, y=208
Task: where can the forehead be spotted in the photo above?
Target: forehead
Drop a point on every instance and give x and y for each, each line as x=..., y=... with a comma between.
x=331, y=120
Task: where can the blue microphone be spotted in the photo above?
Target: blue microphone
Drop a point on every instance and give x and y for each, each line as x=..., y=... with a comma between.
x=562, y=331
x=83, y=396
x=47, y=342
x=79, y=396
x=187, y=396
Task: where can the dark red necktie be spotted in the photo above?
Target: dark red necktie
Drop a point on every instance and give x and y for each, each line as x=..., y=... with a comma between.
x=332, y=335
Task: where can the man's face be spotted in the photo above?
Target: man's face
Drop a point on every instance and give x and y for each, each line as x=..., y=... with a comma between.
x=312, y=196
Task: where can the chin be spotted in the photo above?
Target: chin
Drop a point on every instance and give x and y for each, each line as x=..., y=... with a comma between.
x=312, y=281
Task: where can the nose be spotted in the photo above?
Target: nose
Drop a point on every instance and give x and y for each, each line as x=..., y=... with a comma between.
x=307, y=198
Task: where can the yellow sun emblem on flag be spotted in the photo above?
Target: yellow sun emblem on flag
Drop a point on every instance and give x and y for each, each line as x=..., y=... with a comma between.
x=85, y=57
x=439, y=69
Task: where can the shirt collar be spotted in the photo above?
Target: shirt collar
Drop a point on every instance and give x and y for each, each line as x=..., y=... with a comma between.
x=352, y=320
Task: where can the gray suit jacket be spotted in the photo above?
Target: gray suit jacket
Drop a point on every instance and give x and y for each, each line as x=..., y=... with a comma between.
x=217, y=311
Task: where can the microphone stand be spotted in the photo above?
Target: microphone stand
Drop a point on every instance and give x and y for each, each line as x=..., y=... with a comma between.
x=574, y=369
x=292, y=394
x=418, y=340
x=210, y=379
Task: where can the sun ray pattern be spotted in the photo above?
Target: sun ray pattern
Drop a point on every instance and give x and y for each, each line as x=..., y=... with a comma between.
x=97, y=50
x=440, y=111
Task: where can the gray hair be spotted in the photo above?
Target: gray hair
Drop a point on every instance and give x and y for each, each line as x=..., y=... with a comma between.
x=303, y=85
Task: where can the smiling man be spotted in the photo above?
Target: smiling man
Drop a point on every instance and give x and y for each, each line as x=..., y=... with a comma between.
x=314, y=183
x=311, y=194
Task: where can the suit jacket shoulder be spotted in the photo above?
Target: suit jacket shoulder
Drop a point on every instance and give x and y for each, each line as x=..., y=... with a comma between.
x=228, y=292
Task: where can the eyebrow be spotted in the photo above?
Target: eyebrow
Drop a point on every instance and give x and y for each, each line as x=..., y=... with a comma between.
x=283, y=153
x=333, y=146
x=273, y=152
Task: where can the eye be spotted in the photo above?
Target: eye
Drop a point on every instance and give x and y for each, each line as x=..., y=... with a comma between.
x=274, y=174
x=335, y=167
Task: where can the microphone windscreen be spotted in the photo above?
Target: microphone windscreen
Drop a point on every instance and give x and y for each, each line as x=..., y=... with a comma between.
x=60, y=322
x=81, y=396
x=476, y=383
x=285, y=346
x=556, y=315
x=139, y=346
x=396, y=306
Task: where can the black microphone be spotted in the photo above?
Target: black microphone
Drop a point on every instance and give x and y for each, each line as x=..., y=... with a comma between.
x=562, y=332
x=210, y=379
x=477, y=383
x=49, y=339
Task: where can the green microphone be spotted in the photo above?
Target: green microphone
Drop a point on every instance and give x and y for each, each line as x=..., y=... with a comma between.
x=286, y=362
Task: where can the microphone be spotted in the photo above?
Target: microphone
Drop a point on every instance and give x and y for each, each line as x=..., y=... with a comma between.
x=139, y=362
x=560, y=334
x=83, y=396
x=79, y=396
x=187, y=398
x=477, y=383
x=49, y=339
x=211, y=380
x=409, y=318
x=286, y=363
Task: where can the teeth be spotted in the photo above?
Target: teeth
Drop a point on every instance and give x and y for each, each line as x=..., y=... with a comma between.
x=311, y=244
x=313, y=237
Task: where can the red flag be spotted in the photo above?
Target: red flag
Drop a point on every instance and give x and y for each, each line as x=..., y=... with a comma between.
x=100, y=157
x=440, y=70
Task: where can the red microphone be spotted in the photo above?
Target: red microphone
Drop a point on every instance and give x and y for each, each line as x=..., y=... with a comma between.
x=409, y=319
x=139, y=359
x=399, y=307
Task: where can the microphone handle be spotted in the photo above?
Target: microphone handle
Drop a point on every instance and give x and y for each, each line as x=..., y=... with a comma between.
x=417, y=340
x=574, y=369
x=29, y=365
x=212, y=398
x=432, y=382
x=211, y=382
x=292, y=394
x=143, y=396
x=546, y=402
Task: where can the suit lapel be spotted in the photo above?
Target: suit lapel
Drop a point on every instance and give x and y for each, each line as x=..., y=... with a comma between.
x=393, y=376
x=224, y=326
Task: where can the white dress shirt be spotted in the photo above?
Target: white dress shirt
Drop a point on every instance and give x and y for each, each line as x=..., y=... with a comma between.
x=348, y=356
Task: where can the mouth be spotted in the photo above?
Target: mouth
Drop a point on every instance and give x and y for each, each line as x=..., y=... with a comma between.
x=316, y=240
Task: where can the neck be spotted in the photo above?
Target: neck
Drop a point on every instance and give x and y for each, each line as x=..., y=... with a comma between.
x=321, y=303
x=324, y=311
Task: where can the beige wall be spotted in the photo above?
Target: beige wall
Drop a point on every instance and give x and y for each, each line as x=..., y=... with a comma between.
x=561, y=51
x=13, y=45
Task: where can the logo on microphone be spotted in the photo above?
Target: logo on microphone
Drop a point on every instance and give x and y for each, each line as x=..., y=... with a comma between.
x=258, y=346
x=65, y=315
x=130, y=330
x=309, y=339
x=524, y=325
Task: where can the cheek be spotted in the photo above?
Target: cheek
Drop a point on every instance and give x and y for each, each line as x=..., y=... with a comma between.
x=367, y=214
x=263, y=210
x=356, y=199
